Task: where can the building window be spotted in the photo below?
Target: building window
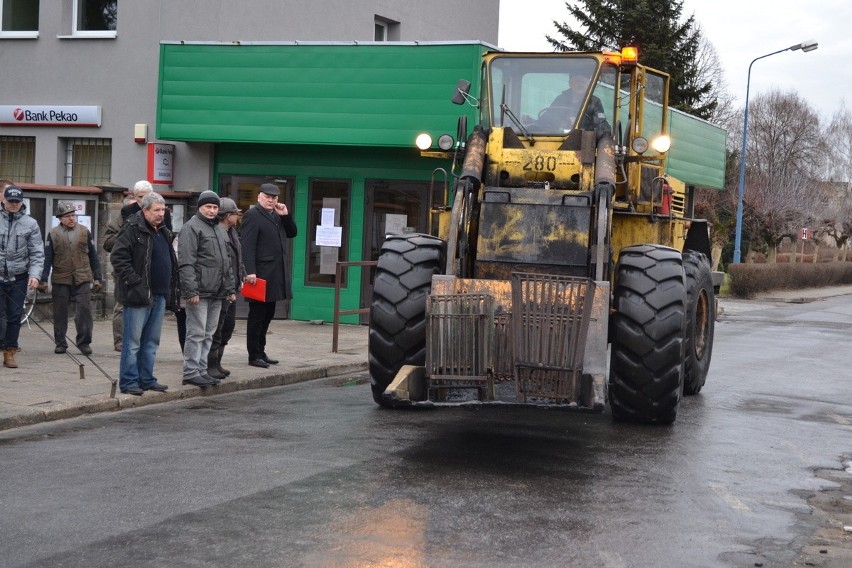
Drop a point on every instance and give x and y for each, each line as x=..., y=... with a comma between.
x=88, y=161
x=385, y=29
x=95, y=17
x=17, y=158
x=381, y=31
x=19, y=16
x=328, y=216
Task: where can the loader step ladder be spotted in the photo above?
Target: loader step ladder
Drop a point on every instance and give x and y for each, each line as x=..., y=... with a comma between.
x=550, y=322
x=460, y=344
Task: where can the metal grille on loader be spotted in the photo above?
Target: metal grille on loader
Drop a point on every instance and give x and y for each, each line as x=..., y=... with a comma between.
x=550, y=325
x=460, y=336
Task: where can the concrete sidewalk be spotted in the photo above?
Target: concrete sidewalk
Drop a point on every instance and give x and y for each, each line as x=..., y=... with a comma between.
x=47, y=386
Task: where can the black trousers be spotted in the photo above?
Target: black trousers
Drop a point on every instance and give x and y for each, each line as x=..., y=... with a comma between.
x=259, y=317
x=225, y=329
x=81, y=295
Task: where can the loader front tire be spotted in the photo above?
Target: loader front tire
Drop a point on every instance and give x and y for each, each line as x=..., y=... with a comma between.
x=403, y=281
x=647, y=333
x=700, y=321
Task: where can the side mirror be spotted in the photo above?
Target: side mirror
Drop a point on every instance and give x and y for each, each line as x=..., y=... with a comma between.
x=461, y=92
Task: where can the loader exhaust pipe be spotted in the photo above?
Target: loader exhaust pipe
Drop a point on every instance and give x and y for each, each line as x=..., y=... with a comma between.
x=474, y=159
x=605, y=162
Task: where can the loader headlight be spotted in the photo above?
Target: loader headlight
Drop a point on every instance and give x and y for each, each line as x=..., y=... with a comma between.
x=640, y=145
x=445, y=141
x=662, y=144
x=423, y=141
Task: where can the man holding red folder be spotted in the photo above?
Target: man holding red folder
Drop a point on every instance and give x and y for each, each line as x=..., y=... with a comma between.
x=263, y=233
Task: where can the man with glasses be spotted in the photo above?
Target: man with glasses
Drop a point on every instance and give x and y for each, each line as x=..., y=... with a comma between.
x=264, y=233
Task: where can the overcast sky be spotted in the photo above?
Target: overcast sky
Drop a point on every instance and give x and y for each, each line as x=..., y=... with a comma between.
x=740, y=30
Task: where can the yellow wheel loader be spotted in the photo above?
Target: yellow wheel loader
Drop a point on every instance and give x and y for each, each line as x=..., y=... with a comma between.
x=568, y=271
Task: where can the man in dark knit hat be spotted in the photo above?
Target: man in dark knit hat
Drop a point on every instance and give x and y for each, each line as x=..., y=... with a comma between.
x=206, y=279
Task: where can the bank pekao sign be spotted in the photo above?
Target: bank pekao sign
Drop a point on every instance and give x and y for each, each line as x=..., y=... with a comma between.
x=49, y=115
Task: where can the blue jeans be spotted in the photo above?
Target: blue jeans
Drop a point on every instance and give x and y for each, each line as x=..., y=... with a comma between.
x=13, y=293
x=201, y=322
x=139, y=343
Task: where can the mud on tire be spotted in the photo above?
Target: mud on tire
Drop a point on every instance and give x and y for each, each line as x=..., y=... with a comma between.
x=647, y=334
x=700, y=320
x=397, y=312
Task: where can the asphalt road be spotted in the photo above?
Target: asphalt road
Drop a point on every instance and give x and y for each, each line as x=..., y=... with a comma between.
x=315, y=474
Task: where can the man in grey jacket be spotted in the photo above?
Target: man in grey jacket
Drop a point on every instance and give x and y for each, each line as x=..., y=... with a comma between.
x=21, y=263
x=206, y=279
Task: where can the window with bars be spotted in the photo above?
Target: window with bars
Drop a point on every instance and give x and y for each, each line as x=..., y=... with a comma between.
x=88, y=161
x=17, y=158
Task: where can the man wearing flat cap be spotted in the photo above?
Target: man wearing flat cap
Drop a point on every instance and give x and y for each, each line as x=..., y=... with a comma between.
x=71, y=255
x=264, y=233
x=21, y=263
x=229, y=214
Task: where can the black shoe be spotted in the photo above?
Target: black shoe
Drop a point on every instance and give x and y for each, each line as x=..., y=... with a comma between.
x=214, y=373
x=60, y=349
x=222, y=370
x=197, y=381
x=136, y=391
x=266, y=358
x=212, y=380
x=159, y=387
x=259, y=362
x=85, y=349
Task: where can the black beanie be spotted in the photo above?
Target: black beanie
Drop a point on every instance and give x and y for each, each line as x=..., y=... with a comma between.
x=208, y=197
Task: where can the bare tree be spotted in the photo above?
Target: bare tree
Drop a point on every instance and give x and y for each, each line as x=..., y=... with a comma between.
x=786, y=153
x=837, y=218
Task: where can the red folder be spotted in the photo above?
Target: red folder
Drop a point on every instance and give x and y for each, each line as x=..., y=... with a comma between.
x=256, y=291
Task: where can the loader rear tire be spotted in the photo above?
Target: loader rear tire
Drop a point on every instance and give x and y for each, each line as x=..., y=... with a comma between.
x=403, y=281
x=648, y=329
x=700, y=321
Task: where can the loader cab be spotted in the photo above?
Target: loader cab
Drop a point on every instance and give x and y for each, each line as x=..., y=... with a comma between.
x=548, y=95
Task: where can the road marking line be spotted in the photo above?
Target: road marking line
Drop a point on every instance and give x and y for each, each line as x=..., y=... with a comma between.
x=729, y=498
x=840, y=419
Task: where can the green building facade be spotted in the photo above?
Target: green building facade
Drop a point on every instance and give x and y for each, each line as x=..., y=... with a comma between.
x=334, y=125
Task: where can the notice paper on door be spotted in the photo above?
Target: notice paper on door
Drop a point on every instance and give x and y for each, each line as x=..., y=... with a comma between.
x=329, y=236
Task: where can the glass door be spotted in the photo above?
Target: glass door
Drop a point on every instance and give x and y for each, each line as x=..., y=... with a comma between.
x=392, y=207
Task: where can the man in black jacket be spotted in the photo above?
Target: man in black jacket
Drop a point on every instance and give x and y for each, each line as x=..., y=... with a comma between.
x=146, y=278
x=264, y=233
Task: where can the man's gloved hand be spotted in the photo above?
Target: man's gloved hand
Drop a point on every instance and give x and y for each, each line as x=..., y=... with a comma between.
x=42, y=287
x=96, y=287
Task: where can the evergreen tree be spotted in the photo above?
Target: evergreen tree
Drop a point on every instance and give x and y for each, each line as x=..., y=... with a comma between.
x=654, y=26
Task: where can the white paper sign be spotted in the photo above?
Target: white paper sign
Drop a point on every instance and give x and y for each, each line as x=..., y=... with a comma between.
x=329, y=236
x=327, y=217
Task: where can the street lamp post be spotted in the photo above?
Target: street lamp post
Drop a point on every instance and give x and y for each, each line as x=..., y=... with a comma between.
x=805, y=46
